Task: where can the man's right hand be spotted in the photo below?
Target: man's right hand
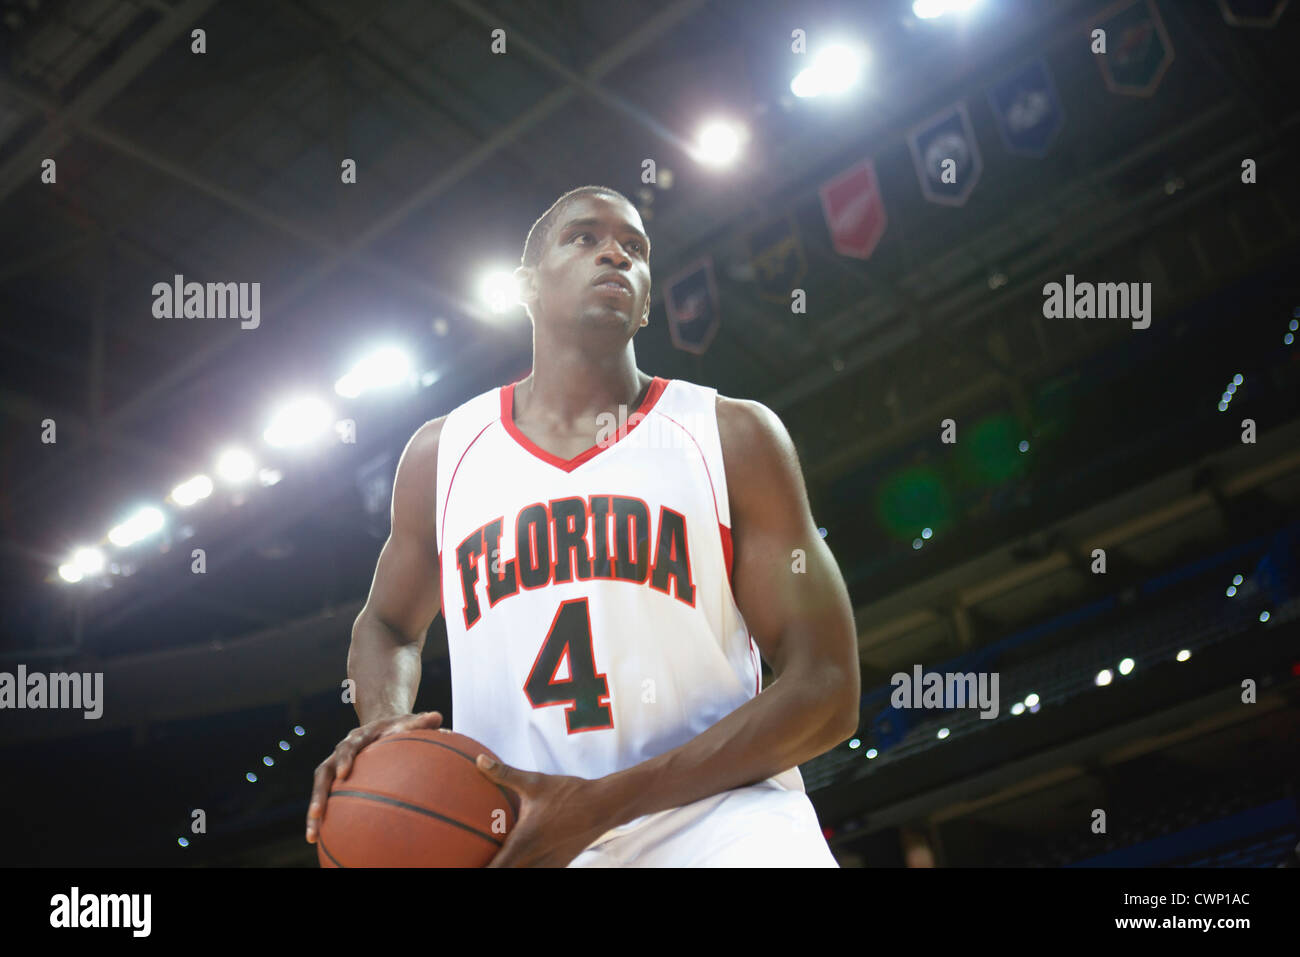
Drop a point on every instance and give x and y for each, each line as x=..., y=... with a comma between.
x=339, y=763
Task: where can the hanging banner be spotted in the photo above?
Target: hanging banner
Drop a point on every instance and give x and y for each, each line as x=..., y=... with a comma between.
x=1027, y=109
x=1252, y=13
x=776, y=252
x=946, y=156
x=691, y=301
x=1138, y=49
x=854, y=210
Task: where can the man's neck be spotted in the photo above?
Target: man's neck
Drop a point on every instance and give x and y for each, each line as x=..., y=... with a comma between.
x=563, y=396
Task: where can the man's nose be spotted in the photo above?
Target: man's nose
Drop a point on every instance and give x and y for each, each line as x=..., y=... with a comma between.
x=611, y=252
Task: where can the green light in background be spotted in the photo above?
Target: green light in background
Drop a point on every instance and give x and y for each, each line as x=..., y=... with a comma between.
x=911, y=500
x=989, y=451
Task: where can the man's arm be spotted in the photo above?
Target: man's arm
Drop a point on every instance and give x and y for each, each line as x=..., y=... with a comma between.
x=406, y=593
x=800, y=616
x=388, y=635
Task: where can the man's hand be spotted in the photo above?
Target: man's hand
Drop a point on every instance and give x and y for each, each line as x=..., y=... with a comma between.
x=559, y=816
x=339, y=763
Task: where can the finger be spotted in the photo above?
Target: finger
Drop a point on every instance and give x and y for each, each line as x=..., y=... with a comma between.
x=504, y=774
x=427, y=719
x=347, y=751
x=321, y=781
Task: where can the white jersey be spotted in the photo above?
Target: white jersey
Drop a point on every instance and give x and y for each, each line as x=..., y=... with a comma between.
x=591, y=623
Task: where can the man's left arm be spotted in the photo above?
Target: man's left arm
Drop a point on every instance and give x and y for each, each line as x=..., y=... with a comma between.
x=795, y=603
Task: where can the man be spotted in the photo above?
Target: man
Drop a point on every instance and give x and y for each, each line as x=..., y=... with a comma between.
x=602, y=544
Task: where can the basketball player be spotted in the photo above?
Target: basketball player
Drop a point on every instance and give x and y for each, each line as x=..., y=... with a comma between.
x=612, y=551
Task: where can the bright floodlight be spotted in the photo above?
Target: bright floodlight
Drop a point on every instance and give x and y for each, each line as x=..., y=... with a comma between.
x=70, y=572
x=88, y=561
x=719, y=143
x=943, y=733
x=855, y=743
x=1126, y=666
x=235, y=465
x=499, y=289
x=192, y=490
x=298, y=422
x=833, y=70
x=140, y=525
x=1183, y=655
x=871, y=753
x=1103, y=677
x=1031, y=700
x=1018, y=708
x=381, y=369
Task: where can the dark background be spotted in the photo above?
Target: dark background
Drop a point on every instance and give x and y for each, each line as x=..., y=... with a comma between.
x=225, y=167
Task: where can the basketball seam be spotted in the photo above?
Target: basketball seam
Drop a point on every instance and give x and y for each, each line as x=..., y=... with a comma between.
x=383, y=798
x=326, y=850
x=505, y=794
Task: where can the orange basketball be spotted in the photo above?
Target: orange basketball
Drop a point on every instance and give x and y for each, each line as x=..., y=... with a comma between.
x=416, y=799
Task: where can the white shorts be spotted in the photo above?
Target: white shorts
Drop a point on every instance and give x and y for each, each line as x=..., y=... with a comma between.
x=756, y=826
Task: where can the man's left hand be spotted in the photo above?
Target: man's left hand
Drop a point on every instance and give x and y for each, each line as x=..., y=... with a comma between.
x=559, y=816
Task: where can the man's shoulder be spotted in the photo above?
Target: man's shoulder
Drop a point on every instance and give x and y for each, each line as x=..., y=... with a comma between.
x=422, y=450
x=747, y=428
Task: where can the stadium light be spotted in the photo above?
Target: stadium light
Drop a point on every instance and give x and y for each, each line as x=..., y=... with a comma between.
x=943, y=733
x=1018, y=708
x=299, y=422
x=1126, y=666
x=1031, y=700
x=234, y=466
x=1183, y=655
x=191, y=491
x=139, y=526
x=88, y=561
x=498, y=289
x=381, y=369
x=70, y=573
x=871, y=753
x=719, y=143
x=854, y=744
x=1103, y=677
x=834, y=69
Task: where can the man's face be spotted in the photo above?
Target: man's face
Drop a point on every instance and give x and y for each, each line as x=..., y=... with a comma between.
x=595, y=237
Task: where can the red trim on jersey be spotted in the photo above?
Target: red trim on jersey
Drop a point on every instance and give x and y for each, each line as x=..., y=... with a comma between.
x=726, y=550
x=450, y=483
x=657, y=386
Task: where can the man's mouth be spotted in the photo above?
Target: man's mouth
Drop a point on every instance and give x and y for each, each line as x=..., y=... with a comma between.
x=615, y=287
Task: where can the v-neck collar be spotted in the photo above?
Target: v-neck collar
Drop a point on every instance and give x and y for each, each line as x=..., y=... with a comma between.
x=656, y=389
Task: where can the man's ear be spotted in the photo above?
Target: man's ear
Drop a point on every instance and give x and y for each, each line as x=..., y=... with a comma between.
x=526, y=283
x=645, y=316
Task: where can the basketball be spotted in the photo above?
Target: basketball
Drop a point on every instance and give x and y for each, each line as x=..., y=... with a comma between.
x=416, y=799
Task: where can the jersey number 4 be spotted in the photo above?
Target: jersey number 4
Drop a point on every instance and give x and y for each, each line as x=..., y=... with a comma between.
x=584, y=692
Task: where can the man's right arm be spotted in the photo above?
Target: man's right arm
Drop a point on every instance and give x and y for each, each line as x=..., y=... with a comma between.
x=406, y=593
x=388, y=635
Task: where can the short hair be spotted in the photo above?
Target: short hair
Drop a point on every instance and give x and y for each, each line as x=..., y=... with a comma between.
x=540, y=233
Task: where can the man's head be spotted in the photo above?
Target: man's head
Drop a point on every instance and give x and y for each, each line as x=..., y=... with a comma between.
x=589, y=234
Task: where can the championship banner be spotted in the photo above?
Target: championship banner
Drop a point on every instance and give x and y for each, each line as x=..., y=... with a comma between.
x=946, y=156
x=691, y=301
x=854, y=210
x=1138, y=49
x=777, y=254
x=1027, y=109
x=1252, y=13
